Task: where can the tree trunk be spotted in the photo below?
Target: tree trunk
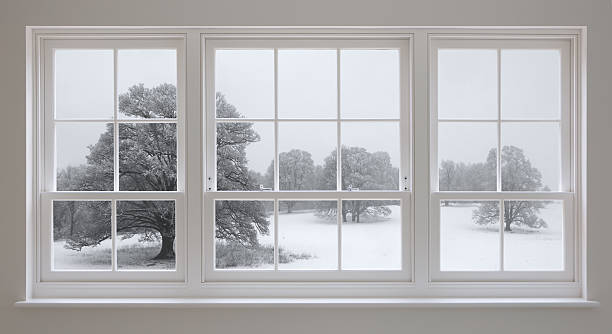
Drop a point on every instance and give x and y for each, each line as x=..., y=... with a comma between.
x=167, y=249
x=71, y=217
x=507, y=224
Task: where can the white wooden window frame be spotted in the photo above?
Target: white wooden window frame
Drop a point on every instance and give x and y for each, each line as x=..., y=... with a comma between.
x=337, y=43
x=421, y=289
x=565, y=194
x=48, y=192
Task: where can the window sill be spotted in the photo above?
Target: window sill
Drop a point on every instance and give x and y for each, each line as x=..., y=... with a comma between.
x=307, y=302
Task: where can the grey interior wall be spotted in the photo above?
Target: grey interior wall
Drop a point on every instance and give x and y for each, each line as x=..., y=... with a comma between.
x=16, y=14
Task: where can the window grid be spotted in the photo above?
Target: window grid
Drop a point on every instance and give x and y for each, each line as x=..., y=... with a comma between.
x=500, y=195
x=402, y=193
x=114, y=273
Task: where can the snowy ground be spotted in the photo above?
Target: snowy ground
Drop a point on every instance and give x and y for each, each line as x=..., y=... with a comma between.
x=131, y=254
x=468, y=246
x=373, y=243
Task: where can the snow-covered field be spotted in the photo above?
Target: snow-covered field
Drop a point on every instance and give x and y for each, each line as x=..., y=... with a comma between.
x=373, y=243
x=468, y=246
x=131, y=254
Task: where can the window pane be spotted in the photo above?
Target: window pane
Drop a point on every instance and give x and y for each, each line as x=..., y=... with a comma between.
x=370, y=155
x=244, y=83
x=467, y=84
x=531, y=156
x=531, y=84
x=370, y=81
x=308, y=235
x=146, y=83
x=82, y=235
x=84, y=156
x=147, y=157
x=467, y=159
x=371, y=235
x=146, y=235
x=245, y=156
x=244, y=235
x=469, y=236
x=84, y=84
x=307, y=155
x=307, y=84
x=533, y=235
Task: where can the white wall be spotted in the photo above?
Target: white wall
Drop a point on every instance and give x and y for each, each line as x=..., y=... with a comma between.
x=16, y=14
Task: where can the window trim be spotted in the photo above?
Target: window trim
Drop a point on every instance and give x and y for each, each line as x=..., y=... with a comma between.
x=567, y=184
x=422, y=286
x=47, y=182
x=337, y=42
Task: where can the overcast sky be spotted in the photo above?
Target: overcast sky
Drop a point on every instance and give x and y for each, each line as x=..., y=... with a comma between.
x=467, y=89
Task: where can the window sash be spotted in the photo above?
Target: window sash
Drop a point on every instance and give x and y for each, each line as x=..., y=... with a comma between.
x=48, y=192
x=405, y=61
x=565, y=194
x=211, y=194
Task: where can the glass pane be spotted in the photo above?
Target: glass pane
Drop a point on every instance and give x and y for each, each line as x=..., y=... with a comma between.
x=467, y=84
x=84, y=156
x=146, y=235
x=245, y=156
x=84, y=84
x=469, y=236
x=147, y=157
x=82, y=235
x=307, y=155
x=308, y=235
x=371, y=235
x=307, y=84
x=531, y=84
x=370, y=83
x=531, y=157
x=146, y=83
x=244, y=235
x=370, y=155
x=467, y=158
x=533, y=235
x=244, y=83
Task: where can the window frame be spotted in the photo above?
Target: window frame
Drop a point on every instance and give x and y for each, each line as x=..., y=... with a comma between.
x=194, y=283
x=338, y=42
x=566, y=193
x=48, y=192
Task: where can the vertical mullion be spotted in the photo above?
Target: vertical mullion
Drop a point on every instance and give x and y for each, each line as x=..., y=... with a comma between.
x=339, y=217
x=499, y=170
x=501, y=234
x=276, y=162
x=114, y=234
x=115, y=126
x=338, y=159
x=276, y=250
x=499, y=147
x=115, y=163
x=339, y=126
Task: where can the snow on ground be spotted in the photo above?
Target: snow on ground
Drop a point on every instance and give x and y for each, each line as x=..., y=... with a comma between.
x=468, y=246
x=373, y=243
x=131, y=254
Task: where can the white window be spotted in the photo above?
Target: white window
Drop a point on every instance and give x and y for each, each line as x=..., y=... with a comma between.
x=112, y=188
x=502, y=186
x=293, y=162
x=277, y=112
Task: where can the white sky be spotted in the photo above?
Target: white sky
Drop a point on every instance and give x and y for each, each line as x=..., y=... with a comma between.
x=467, y=88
